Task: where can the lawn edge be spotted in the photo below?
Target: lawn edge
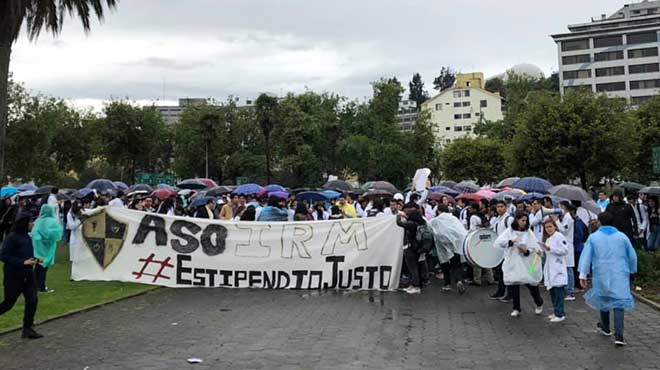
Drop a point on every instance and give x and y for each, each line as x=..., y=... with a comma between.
x=84, y=309
x=647, y=301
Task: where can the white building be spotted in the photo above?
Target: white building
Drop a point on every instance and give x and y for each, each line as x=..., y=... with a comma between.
x=617, y=55
x=456, y=110
x=407, y=114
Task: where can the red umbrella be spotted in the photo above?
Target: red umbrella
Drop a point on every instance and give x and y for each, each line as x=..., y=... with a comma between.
x=439, y=196
x=486, y=193
x=209, y=183
x=471, y=196
x=163, y=194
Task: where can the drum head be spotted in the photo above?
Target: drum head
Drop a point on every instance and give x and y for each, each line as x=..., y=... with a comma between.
x=480, y=250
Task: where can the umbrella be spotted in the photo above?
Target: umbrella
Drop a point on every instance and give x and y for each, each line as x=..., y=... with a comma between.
x=508, y=195
x=447, y=183
x=311, y=196
x=163, y=194
x=471, y=196
x=44, y=190
x=339, y=185
x=248, y=189
x=8, y=191
x=218, y=191
x=164, y=186
x=507, y=182
x=486, y=193
x=570, y=192
x=366, y=186
x=121, y=185
x=302, y=190
x=438, y=197
x=378, y=193
x=274, y=187
x=184, y=192
x=201, y=201
x=279, y=194
x=331, y=194
x=467, y=187
x=27, y=187
x=194, y=184
x=63, y=196
x=444, y=189
x=653, y=190
x=533, y=184
x=591, y=206
x=83, y=193
x=140, y=187
x=531, y=196
x=102, y=185
x=383, y=185
x=26, y=194
x=208, y=182
x=632, y=186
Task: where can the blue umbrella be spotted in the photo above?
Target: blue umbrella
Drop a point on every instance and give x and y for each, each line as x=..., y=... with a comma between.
x=279, y=194
x=331, y=194
x=27, y=187
x=83, y=193
x=121, y=185
x=467, y=187
x=273, y=187
x=164, y=186
x=531, y=196
x=8, y=191
x=248, y=189
x=533, y=184
x=193, y=184
x=312, y=196
x=201, y=201
x=444, y=189
x=507, y=195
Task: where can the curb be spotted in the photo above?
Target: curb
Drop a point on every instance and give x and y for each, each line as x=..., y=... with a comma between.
x=647, y=301
x=84, y=309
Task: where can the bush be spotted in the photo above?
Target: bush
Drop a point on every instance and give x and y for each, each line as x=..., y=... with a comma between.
x=648, y=269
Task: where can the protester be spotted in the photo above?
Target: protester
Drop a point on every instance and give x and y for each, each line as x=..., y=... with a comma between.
x=409, y=221
x=377, y=209
x=301, y=213
x=603, y=201
x=502, y=222
x=478, y=220
x=118, y=201
x=566, y=225
x=345, y=205
x=52, y=201
x=227, y=210
x=623, y=216
x=653, y=212
x=452, y=270
x=207, y=211
x=555, y=269
x=45, y=234
x=249, y=214
x=17, y=254
x=335, y=213
x=320, y=214
x=273, y=211
x=74, y=220
x=610, y=258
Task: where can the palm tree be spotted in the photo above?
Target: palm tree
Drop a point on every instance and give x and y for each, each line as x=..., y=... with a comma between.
x=265, y=107
x=37, y=15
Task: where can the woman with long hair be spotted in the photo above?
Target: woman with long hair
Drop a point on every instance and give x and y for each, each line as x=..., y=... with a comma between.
x=653, y=242
x=566, y=225
x=555, y=273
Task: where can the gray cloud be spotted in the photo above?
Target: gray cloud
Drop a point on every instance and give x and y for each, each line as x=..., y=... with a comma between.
x=166, y=63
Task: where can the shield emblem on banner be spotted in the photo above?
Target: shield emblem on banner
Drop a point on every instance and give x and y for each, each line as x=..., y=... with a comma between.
x=104, y=237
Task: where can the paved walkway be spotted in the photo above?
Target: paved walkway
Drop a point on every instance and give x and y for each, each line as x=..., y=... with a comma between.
x=259, y=329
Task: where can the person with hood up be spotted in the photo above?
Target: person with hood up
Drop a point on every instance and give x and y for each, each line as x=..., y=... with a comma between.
x=273, y=212
x=18, y=255
x=45, y=234
x=610, y=258
x=623, y=215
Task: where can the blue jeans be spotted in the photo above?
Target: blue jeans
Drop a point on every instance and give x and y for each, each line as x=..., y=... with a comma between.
x=653, y=242
x=557, y=296
x=570, y=289
x=618, y=322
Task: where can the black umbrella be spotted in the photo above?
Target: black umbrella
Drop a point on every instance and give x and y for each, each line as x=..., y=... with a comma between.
x=632, y=186
x=570, y=192
x=218, y=191
x=193, y=184
x=467, y=187
x=378, y=193
x=652, y=190
x=338, y=185
x=447, y=183
x=102, y=185
x=44, y=190
x=140, y=187
x=383, y=185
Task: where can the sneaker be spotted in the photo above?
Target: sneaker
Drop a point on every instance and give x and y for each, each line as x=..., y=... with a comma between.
x=604, y=332
x=619, y=342
x=412, y=290
x=569, y=298
x=461, y=287
x=506, y=299
x=550, y=317
x=446, y=288
x=515, y=313
x=538, y=310
x=495, y=297
x=558, y=319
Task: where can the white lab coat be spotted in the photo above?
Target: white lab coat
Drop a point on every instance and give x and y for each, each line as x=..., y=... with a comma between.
x=536, y=224
x=76, y=240
x=554, y=270
x=512, y=255
x=501, y=223
x=566, y=227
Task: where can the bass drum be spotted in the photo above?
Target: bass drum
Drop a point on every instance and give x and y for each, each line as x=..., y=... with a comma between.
x=479, y=249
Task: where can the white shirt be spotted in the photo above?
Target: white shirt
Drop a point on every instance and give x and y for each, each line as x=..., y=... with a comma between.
x=566, y=226
x=475, y=222
x=536, y=223
x=502, y=223
x=116, y=203
x=52, y=201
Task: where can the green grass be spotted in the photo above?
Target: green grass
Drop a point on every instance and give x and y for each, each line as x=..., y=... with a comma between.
x=69, y=295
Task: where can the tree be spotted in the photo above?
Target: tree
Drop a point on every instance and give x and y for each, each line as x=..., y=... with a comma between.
x=266, y=107
x=36, y=15
x=496, y=85
x=498, y=130
x=480, y=159
x=647, y=136
x=581, y=135
x=417, y=92
x=445, y=79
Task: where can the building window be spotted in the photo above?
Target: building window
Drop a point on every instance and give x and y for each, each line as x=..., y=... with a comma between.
x=467, y=128
x=612, y=86
x=457, y=104
x=608, y=55
x=438, y=106
x=466, y=103
x=484, y=104
x=581, y=73
x=467, y=116
x=448, y=128
x=575, y=45
x=639, y=100
x=477, y=114
x=603, y=42
x=610, y=71
x=644, y=68
x=644, y=84
x=457, y=116
x=642, y=53
x=458, y=128
x=578, y=87
x=642, y=38
x=466, y=93
x=576, y=59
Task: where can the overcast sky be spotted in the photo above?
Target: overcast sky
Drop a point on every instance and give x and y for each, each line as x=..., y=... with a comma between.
x=164, y=49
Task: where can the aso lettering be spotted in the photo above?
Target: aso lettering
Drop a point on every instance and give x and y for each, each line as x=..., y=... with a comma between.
x=213, y=238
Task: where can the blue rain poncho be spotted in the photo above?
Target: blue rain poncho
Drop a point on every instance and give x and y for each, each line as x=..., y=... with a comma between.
x=45, y=234
x=610, y=258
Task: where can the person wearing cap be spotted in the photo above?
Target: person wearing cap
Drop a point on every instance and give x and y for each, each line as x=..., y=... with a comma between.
x=19, y=261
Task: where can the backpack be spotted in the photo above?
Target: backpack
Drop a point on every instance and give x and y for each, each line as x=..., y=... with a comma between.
x=425, y=239
x=580, y=232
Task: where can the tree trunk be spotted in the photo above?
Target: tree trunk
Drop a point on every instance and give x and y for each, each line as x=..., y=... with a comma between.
x=268, y=159
x=5, y=54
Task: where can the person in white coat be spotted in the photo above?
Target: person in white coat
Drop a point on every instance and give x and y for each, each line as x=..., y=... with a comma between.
x=519, y=243
x=566, y=226
x=74, y=223
x=555, y=273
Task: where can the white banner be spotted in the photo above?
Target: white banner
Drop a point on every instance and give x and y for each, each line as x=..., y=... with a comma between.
x=126, y=245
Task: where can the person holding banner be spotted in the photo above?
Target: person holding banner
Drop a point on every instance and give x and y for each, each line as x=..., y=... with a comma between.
x=521, y=262
x=410, y=220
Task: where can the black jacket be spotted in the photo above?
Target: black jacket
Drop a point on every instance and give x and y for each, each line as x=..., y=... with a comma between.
x=16, y=249
x=624, y=218
x=410, y=232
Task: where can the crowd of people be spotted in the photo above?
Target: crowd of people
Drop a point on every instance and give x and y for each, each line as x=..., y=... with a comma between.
x=568, y=238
